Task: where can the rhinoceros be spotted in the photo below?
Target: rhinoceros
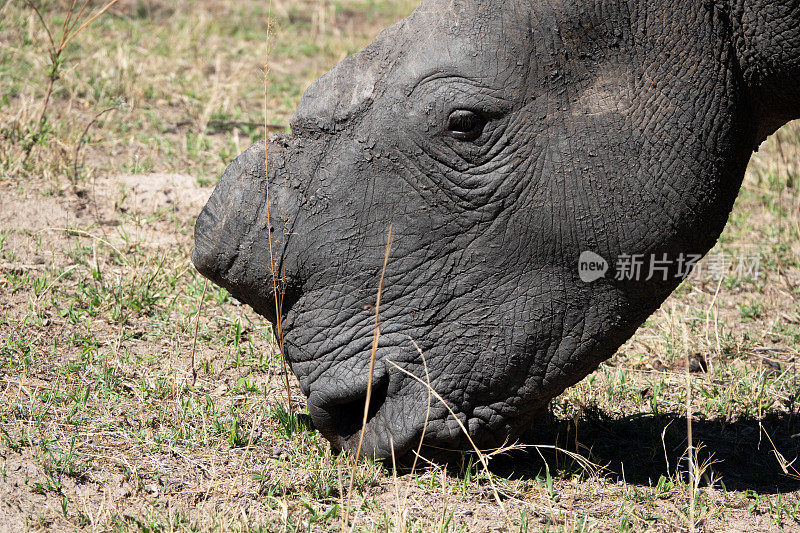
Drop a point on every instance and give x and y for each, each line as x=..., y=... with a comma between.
x=519, y=151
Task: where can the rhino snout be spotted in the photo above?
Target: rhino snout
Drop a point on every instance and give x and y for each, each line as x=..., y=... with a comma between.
x=234, y=229
x=219, y=228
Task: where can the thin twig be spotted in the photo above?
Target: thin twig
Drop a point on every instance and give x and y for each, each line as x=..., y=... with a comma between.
x=44, y=24
x=196, y=329
x=67, y=33
x=80, y=140
x=83, y=26
x=68, y=17
x=78, y=16
x=55, y=53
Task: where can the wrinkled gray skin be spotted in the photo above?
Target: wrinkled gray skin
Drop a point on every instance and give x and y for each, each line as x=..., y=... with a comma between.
x=620, y=127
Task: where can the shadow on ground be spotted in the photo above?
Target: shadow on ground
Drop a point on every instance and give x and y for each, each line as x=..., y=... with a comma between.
x=640, y=448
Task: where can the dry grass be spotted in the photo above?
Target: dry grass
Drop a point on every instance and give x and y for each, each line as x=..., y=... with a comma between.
x=112, y=418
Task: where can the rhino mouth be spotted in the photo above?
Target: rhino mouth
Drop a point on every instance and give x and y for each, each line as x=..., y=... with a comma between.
x=342, y=422
x=391, y=428
x=339, y=414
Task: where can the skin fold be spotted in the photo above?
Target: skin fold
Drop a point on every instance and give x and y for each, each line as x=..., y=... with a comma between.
x=499, y=140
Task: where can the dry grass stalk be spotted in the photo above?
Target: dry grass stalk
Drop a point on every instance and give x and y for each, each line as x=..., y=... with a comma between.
x=690, y=450
x=585, y=464
x=196, y=328
x=399, y=510
x=83, y=136
x=375, y=337
x=427, y=416
x=786, y=466
x=278, y=295
x=481, y=455
x=443, y=523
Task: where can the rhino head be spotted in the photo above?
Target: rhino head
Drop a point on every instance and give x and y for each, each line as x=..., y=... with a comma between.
x=506, y=143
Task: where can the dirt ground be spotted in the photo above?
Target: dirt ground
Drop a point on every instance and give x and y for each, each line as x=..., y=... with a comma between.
x=105, y=425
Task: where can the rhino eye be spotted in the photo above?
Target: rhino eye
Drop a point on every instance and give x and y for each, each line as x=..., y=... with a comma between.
x=465, y=125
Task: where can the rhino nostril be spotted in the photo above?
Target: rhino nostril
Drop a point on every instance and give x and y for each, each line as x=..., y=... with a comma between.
x=351, y=414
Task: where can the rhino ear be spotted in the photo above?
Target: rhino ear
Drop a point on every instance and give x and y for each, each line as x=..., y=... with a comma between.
x=344, y=92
